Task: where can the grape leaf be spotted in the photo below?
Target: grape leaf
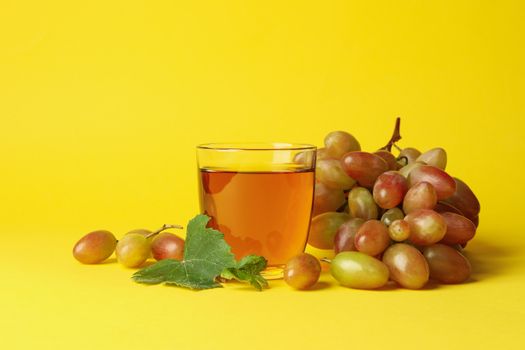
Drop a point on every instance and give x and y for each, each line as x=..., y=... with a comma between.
x=206, y=255
x=248, y=269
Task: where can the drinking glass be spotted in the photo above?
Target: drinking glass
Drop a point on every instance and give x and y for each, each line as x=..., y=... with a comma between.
x=259, y=195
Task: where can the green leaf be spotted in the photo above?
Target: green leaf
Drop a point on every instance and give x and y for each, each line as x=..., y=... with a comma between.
x=249, y=270
x=206, y=255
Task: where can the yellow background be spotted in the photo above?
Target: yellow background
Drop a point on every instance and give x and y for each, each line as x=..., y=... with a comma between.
x=102, y=103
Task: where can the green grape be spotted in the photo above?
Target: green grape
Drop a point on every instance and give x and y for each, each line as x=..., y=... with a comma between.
x=399, y=230
x=95, y=247
x=302, y=271
x=465, y=200
x=407, y=169
x=358, y=270
x=338, y=143
x=330, y=173
x=322, y=153
x=411, y=154
x=421, y=196
x=364, y=167
x=392, y=215
x=460, y=230
x=133, y=250
x=407, y=266
x=141, y=231
x=389, y=158
x=324, y=227
x=443, y=183
x=344, y=238
x=426, y=226
x=304, y=158
x=327, y=199
x=447, y=265
x=389, y=189
x=361, y=204
x=167, y=246
x=436, y=157
x=372, y=238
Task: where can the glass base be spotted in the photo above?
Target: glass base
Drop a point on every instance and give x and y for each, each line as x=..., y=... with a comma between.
x=273, y=272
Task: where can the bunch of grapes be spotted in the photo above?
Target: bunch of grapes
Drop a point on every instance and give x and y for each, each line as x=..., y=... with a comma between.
x=391, y=217
x=133, y=249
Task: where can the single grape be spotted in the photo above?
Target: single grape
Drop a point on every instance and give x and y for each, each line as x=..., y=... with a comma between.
x=95, y=247
x=372, y=238
x=399, y=230
x=420, y=196
x=436, y=157
x=407, y=169
x=389, y=158
x=447, y=265
x=392, y=215
x=411, y=154
x=324, y=227
x=407, y=266
x=460, y=230
x=361, y=204
x=302, y=271
x=426, y=226
x=364, y=167
x=327, y=199
x=133, y=250
x=389, y=189
x=167, y=246
x=358, y=270
x=344, y=238
x=443, y=183
x=465, y=200
x=329, y=172
x=338, y=143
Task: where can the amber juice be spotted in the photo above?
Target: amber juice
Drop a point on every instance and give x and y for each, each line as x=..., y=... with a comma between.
x=263, y=213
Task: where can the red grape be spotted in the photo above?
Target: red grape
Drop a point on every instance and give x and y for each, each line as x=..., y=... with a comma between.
x=389, y=189
x=460, y=230
x=95, y=247
x=447, y=265
x=364, y=167
x=443, y=183
x=167, y=246
x=407, y=265
x=421, y=196
x=372, y=238
x=426, y=227
x=302, y=271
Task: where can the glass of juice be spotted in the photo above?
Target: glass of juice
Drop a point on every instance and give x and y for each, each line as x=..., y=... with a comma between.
x=259, y=195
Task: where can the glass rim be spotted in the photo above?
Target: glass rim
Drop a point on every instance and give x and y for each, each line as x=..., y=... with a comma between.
x=256, y=146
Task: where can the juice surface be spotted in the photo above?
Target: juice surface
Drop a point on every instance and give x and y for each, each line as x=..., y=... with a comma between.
x=263, y=213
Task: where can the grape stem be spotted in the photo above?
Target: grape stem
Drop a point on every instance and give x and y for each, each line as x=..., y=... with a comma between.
x=396, y=136
x=163, y=228
x=326, y=260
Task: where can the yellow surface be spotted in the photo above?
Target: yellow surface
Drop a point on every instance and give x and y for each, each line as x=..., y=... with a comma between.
x=102, y=103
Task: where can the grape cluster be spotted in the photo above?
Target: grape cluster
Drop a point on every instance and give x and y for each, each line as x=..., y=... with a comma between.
x=133, y=249
x=401, y=218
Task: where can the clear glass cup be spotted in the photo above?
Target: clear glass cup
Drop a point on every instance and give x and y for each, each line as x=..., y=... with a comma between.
x=260, y=196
